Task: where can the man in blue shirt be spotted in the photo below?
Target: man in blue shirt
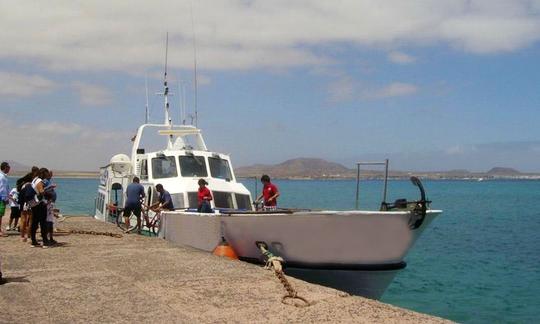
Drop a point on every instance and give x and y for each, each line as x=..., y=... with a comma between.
x=135, y=196
x=4, y=192
x=165, y=200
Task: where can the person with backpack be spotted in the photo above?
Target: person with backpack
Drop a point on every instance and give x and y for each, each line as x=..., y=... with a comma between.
x=24, y=184
x=39, y=209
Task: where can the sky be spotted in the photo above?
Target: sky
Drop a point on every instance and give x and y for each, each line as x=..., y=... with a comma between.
x=432, y=85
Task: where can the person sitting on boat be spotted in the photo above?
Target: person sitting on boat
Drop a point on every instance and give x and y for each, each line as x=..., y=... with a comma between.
x=269, y=194
x=164, y=201
x=203, y=198
x=135, y=196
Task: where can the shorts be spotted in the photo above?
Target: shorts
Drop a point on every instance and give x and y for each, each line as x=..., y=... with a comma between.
x=2, y=208
x=132, y=209
x=15, y=212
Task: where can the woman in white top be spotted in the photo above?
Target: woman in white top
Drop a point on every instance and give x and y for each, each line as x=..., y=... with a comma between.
x=14, y=208
x=39, y=210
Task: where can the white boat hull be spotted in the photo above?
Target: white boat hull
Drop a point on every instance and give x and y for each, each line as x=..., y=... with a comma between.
x=368, y=283
x=356, y=251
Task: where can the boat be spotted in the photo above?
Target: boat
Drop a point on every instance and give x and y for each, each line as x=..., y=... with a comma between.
x=356, y=251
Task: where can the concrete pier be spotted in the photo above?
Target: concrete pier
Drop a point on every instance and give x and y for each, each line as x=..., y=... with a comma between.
x=138, y=279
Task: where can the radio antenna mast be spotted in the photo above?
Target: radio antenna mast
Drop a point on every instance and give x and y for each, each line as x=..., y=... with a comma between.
x=194, y=64
x=147, y=117
x=168, y=120
x=182, y=95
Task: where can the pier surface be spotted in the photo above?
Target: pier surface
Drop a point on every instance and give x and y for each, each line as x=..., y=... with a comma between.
x=134, y=279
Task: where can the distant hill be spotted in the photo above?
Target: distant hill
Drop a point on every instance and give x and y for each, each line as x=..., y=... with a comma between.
x=302, y=168
x=18, y=167
x=299, y=168
x=499, y=171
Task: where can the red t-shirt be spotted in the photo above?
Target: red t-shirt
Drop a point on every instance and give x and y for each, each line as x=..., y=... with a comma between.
x=203, y=192
x=269, y=190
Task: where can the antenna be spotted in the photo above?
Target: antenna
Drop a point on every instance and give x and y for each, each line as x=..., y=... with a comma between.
x=194, y=64
x=168, y=120
x=182, y=99
x=147, y=117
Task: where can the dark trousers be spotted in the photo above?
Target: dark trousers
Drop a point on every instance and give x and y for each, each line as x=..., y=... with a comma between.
x=205, y=207
x=39, y=217
x=50, y=230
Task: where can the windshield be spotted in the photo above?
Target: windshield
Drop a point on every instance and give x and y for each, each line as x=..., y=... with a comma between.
x=164, y=167
x=219, y=168
x=193, y=166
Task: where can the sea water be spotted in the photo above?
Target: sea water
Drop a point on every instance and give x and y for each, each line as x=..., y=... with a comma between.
x=478, y=262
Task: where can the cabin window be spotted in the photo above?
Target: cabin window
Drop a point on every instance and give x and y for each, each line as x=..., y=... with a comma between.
x=144, y=170
x=193, y=166
x=223, y=199
x=164, y=167
x=192, y=200
x=178, y=200
x=219, y=168
x=243, y=201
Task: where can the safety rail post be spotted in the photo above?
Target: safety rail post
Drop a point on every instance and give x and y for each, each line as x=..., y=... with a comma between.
x=358, y=164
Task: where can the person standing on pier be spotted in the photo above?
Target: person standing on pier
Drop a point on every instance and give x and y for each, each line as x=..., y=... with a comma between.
x=135, y=196
x=26, y=212
x=4, y=192
x=39, y=209
x=15, y=210
x=269, y=194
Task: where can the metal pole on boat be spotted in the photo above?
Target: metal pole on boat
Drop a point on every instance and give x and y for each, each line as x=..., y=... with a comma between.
x=256, y=190
x=357, y=184
x=385, y=179
x=147, y=117
x=385, y=163
x=195, y=85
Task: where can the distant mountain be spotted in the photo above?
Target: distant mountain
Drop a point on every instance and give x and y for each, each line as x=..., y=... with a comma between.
x=499, y=171
x=18, y=168
x=321, y=169
x=299, y=168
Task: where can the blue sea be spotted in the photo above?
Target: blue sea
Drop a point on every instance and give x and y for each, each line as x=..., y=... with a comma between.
x=479, y=262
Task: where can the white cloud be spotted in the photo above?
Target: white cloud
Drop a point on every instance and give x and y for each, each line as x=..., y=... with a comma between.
x=129, y=35
x=395, y=89
x=65, y=146
x=346, y=88
x=343, y=89
x=455, y=150
x=400, y=58
x=92, y=94
x=22, y=85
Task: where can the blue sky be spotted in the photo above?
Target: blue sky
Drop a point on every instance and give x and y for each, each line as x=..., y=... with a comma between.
x=434, y=85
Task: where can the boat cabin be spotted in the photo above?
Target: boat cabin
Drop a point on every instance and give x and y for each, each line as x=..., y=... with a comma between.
x=178, y=168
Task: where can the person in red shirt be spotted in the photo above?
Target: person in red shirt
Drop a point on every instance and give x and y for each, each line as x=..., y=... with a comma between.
x=203, y=198
x=269, y=193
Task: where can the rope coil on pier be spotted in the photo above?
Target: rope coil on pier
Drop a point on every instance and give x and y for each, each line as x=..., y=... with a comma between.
x=274, y=262
x=116, y=235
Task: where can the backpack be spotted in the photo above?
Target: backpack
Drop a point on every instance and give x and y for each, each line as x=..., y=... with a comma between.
x=27, y=193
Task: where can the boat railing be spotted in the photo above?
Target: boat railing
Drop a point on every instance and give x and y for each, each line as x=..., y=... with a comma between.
x=358, y=164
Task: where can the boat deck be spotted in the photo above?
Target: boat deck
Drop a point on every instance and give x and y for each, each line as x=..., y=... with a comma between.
x=90, y=278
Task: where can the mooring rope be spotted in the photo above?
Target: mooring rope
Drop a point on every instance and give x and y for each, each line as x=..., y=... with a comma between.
x=275, y=262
